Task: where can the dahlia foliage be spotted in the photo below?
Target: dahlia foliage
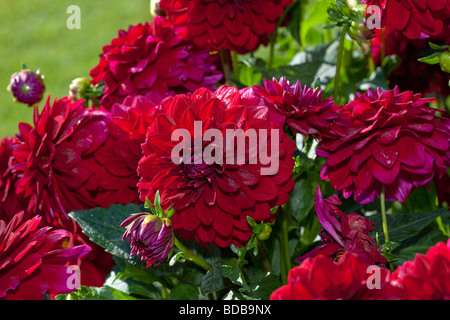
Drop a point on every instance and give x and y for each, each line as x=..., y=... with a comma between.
x=247, y=149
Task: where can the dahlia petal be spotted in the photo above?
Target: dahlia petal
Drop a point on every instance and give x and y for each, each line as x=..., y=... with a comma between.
x=227, y=203
x=364, y=177
x=223, y=223
x=189, y=218
x=265, y=190
x=397, y=15
x=385, y=155
x=414, y=29
x=385, y=175
x=205, y=235
x=411, y=152
x=437, y=5
x=205, y=214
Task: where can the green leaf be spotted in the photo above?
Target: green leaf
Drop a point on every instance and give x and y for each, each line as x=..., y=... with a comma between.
x=184, y=291
x=438, y=47
x=213, y=279
x=316, y=64
x=431, y=59
x=418, y=244
x=102, y=226
x=232, y=269
x=404, y=225
x=302, y=199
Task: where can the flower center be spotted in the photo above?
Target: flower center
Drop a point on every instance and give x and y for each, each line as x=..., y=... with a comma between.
x=25, y=88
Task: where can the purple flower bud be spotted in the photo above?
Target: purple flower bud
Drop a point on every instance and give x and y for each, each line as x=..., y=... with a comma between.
x=27, y=87
x=149, y=236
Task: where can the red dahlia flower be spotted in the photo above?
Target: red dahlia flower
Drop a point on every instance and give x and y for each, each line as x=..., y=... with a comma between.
x=149, y=59
x=33, y=262
x=425, y=278
x=344, y=233
x=212, y=199
x=320, y=278
x=61, y=161
x=391, y=139
x=303, y=107
x=9, y=203
x=135, y=114
x=415, y=18
x=240, y=26
x=150, y=237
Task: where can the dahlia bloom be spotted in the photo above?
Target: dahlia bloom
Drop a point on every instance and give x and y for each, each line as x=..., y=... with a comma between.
x=135, y=114
x=427, y=277
x=320, y=278
x=149, y=59
x=9, y=203
x=343, y=233
x=305, y=110
x=212, y=199
x=240, y=26
x=391, y=139
x=149, y=236
x=27, y=87
x=57, y=161
x=415, y=18
x=33, y=262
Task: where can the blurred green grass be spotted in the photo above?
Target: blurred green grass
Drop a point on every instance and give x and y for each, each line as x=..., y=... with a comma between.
x=35, y=32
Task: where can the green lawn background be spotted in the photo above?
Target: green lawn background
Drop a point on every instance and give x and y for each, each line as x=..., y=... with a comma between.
x=35, y=32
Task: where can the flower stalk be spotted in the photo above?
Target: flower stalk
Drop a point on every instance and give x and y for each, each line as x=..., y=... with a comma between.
x=383, y=214
x=190, y=256
x=340, y=57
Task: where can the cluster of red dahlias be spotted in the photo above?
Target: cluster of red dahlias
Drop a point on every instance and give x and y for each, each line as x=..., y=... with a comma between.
x=162, y=80
x=427, y=277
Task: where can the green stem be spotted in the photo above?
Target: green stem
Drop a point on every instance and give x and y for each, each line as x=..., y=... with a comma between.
x=274, y=36
x=225, y=65
x=235, y=65
x=384, y=220
x=265, y=261
x=383, y=214
x=192, y=256
x=383, y=43
x=285, y=256
x=340, y=56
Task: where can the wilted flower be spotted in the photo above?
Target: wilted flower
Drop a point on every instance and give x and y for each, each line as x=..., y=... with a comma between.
x=151, y=58
x=27, y=87
x=343, y=233
x=32, y=261
x=415, y=18
x=391, y=140
x=213, y=199
x=149, y=236
x=320, y=278
x=240, y=26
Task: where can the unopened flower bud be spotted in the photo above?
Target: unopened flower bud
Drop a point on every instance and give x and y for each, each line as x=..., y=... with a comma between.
x=27, y=87
x=78, y=87
x=264, y=233
x=149, y=236
x=444, y=61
